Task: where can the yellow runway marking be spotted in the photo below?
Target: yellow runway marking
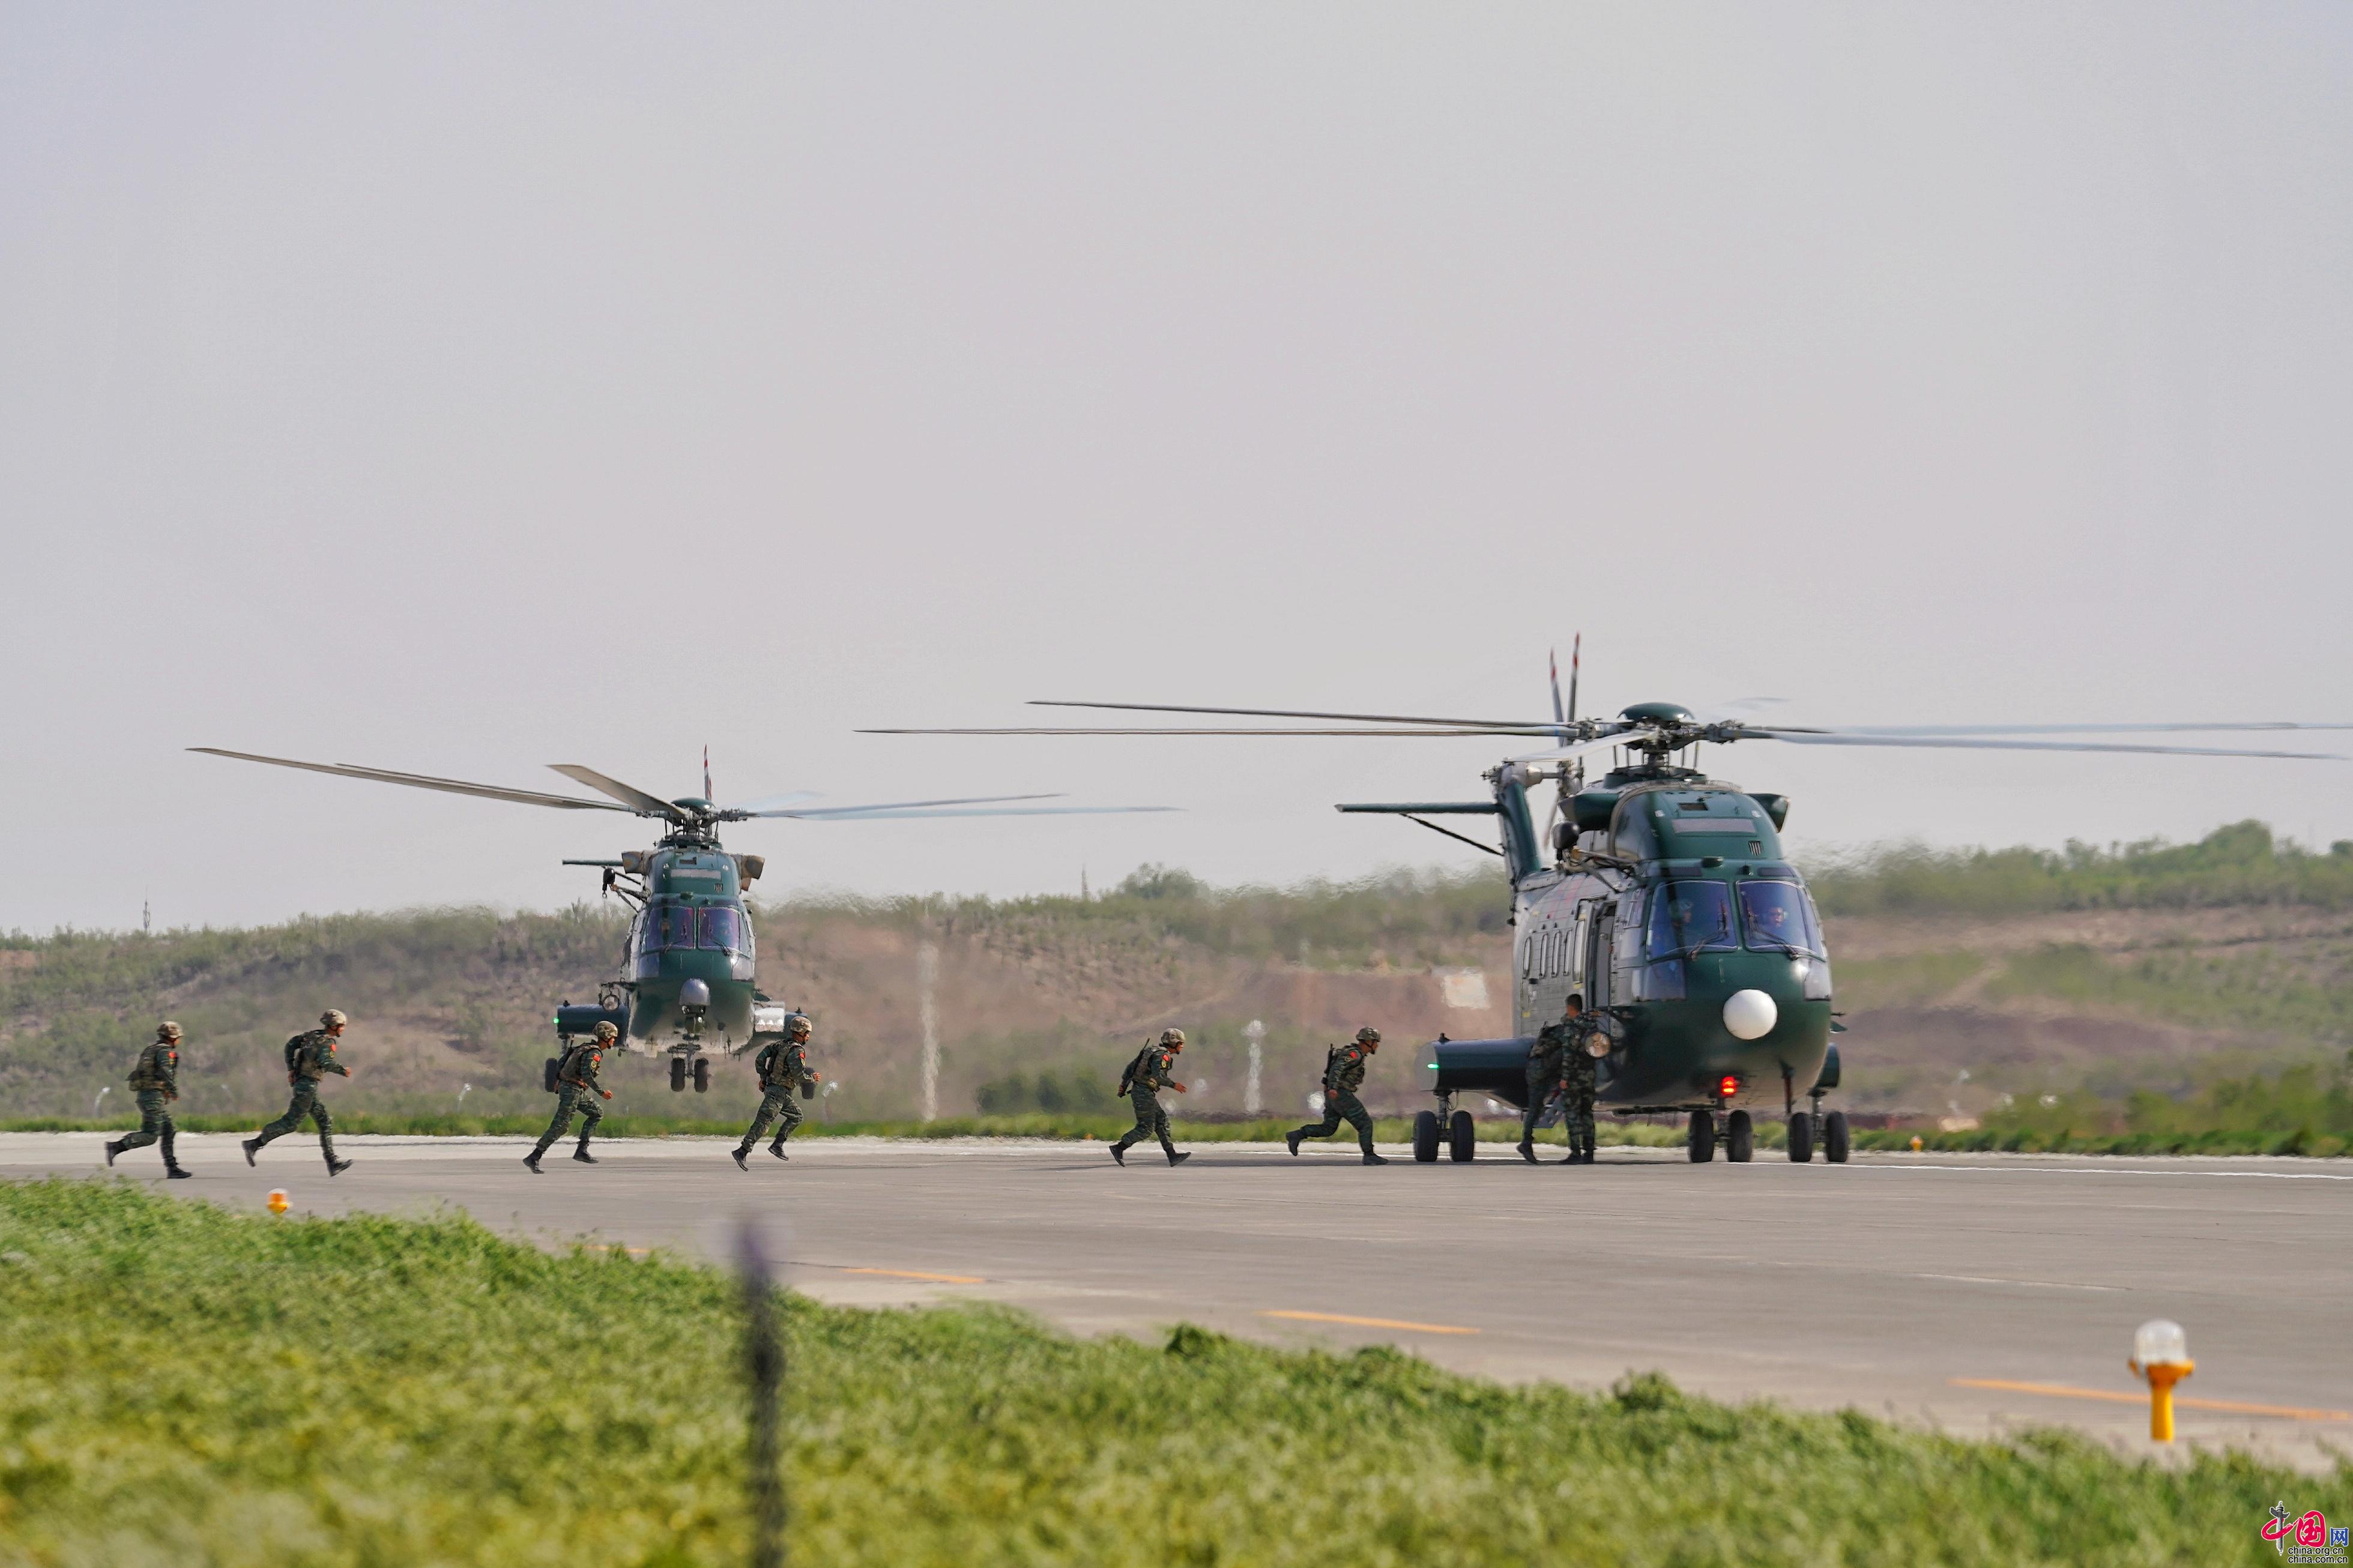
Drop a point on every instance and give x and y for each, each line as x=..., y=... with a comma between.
x=911, y=1273
x=2228, y=1406
x=1372, y=1322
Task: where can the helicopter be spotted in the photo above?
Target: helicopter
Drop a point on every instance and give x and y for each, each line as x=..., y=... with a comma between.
x=686, y=975
x=1663, y=898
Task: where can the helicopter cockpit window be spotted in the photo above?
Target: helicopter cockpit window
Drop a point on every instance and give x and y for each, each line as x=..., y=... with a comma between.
x=1690, y=917
x=1778, y=919
x=675, y=927
x=722, y=928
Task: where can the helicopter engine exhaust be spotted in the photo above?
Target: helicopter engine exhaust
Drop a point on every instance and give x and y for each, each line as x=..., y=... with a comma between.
x=1750, y=1015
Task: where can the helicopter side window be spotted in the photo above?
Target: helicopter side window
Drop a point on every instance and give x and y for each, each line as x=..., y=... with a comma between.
x=722, y=928
x=1691, y=917
x=1778, y=918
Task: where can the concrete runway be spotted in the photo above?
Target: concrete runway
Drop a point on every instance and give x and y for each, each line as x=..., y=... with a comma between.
x=1977, y=1293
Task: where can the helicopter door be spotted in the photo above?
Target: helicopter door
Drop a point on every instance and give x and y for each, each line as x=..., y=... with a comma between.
x=1593, y=926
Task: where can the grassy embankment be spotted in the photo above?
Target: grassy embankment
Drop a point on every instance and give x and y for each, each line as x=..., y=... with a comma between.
x=184, y=1385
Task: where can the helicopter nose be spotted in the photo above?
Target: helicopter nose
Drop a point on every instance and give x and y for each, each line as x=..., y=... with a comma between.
x=1750, y=1015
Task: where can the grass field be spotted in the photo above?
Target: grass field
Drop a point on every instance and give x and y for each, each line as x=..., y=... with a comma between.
x=181, y=1385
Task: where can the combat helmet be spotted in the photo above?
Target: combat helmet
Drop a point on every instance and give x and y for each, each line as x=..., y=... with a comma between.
x=797, y=1024
x=168, y=1032
x=1369, y=1036
x=332, y=1018
x=1173, y=1039
x=606, y=1031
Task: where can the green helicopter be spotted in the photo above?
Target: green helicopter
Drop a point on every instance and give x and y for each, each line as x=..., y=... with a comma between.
x=687, y=973
x=1663, y=898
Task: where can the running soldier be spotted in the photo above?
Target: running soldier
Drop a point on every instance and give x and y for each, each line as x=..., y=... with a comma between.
x=784, y=1069
x=308, y=1059
x=1153, y=1069
x=577, y=1089
x=156, y=1081
x=1344, y=1074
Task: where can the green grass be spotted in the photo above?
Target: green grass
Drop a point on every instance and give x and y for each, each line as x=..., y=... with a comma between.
x=181, y=1385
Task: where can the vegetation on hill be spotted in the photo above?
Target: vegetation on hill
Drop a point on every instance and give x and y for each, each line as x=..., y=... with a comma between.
x=2241, y=864
x=186, y=1386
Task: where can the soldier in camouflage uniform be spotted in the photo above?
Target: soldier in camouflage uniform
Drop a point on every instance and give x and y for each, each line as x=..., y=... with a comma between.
x=1344, y=1074
x=308, y=1057
x=1588, y=1045
x=1548, y=1059
x=577, y=1089
x=784, y=1070
x=156, y=1081
x=1153, y=1069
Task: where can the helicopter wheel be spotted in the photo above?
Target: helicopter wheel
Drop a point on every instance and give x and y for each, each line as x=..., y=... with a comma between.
x=1703, y=1138
x=702, y=1075
x=1802, y=1137
x=1740, y=1139
x=1462, y=1137
x=1425, y=1138
x=677, y=1074
x=1834, y=1139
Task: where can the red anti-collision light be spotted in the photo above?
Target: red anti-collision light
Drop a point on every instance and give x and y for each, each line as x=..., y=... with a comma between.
x=1729, y=1087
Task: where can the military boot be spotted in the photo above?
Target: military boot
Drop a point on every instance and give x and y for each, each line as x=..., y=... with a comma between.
x=580, y=1152
x=778, y=1149
x=1119, y=1156
x=531, y=1159
x=113, y=1148
x=1372, y=1159
x=250, y=1146
x=1527, y=1151
x=337, y=1167
x=739, y=1154
x=176, y=1173
x=1290, y=1142
x=1178, y=1156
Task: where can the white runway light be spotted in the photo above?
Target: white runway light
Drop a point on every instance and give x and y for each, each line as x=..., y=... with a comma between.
x=1749, y=1014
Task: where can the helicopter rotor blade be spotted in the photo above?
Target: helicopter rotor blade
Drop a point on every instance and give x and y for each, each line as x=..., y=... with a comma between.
x=774, y=801
x=421, y=781
x=821, y=812
x=1934, y=729
x=1503, y=724
x=1634, y=737
x=630, y=795
x=884, y=814
x=1990, y=743
x=1536, y=731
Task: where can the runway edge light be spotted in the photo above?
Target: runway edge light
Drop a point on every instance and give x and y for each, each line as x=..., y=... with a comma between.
x=2161, y=1358
x=277, y=1200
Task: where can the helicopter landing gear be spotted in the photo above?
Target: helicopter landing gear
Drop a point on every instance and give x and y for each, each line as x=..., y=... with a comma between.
x=1425, y=1138
x=1802, y=1137
x=702, y=1075
x=1739, y=1138
x=1702, y=1137
x=677, y=1074
x=1461, y=1138
x=1831, y=1129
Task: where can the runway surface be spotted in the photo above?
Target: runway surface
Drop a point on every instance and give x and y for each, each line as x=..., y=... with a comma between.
x=1977, y=1293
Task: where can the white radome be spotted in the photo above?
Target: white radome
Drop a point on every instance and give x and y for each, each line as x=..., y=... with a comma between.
x=1750, y=1015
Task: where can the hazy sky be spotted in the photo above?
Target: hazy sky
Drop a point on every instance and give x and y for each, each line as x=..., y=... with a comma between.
x=466, y=389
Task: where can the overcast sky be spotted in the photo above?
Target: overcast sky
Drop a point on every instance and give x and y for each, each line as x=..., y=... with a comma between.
x=465, y=389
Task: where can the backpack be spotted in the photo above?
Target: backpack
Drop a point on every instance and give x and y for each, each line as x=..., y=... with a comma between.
x=294, y=1052
x=557, y=1067
x=1135, y=1071
x=1331, y=1060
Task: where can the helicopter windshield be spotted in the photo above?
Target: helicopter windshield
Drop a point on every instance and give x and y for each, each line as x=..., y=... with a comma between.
x=1690, y=917
x=722, y=928
x=1778, y=919
x=672, y=927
